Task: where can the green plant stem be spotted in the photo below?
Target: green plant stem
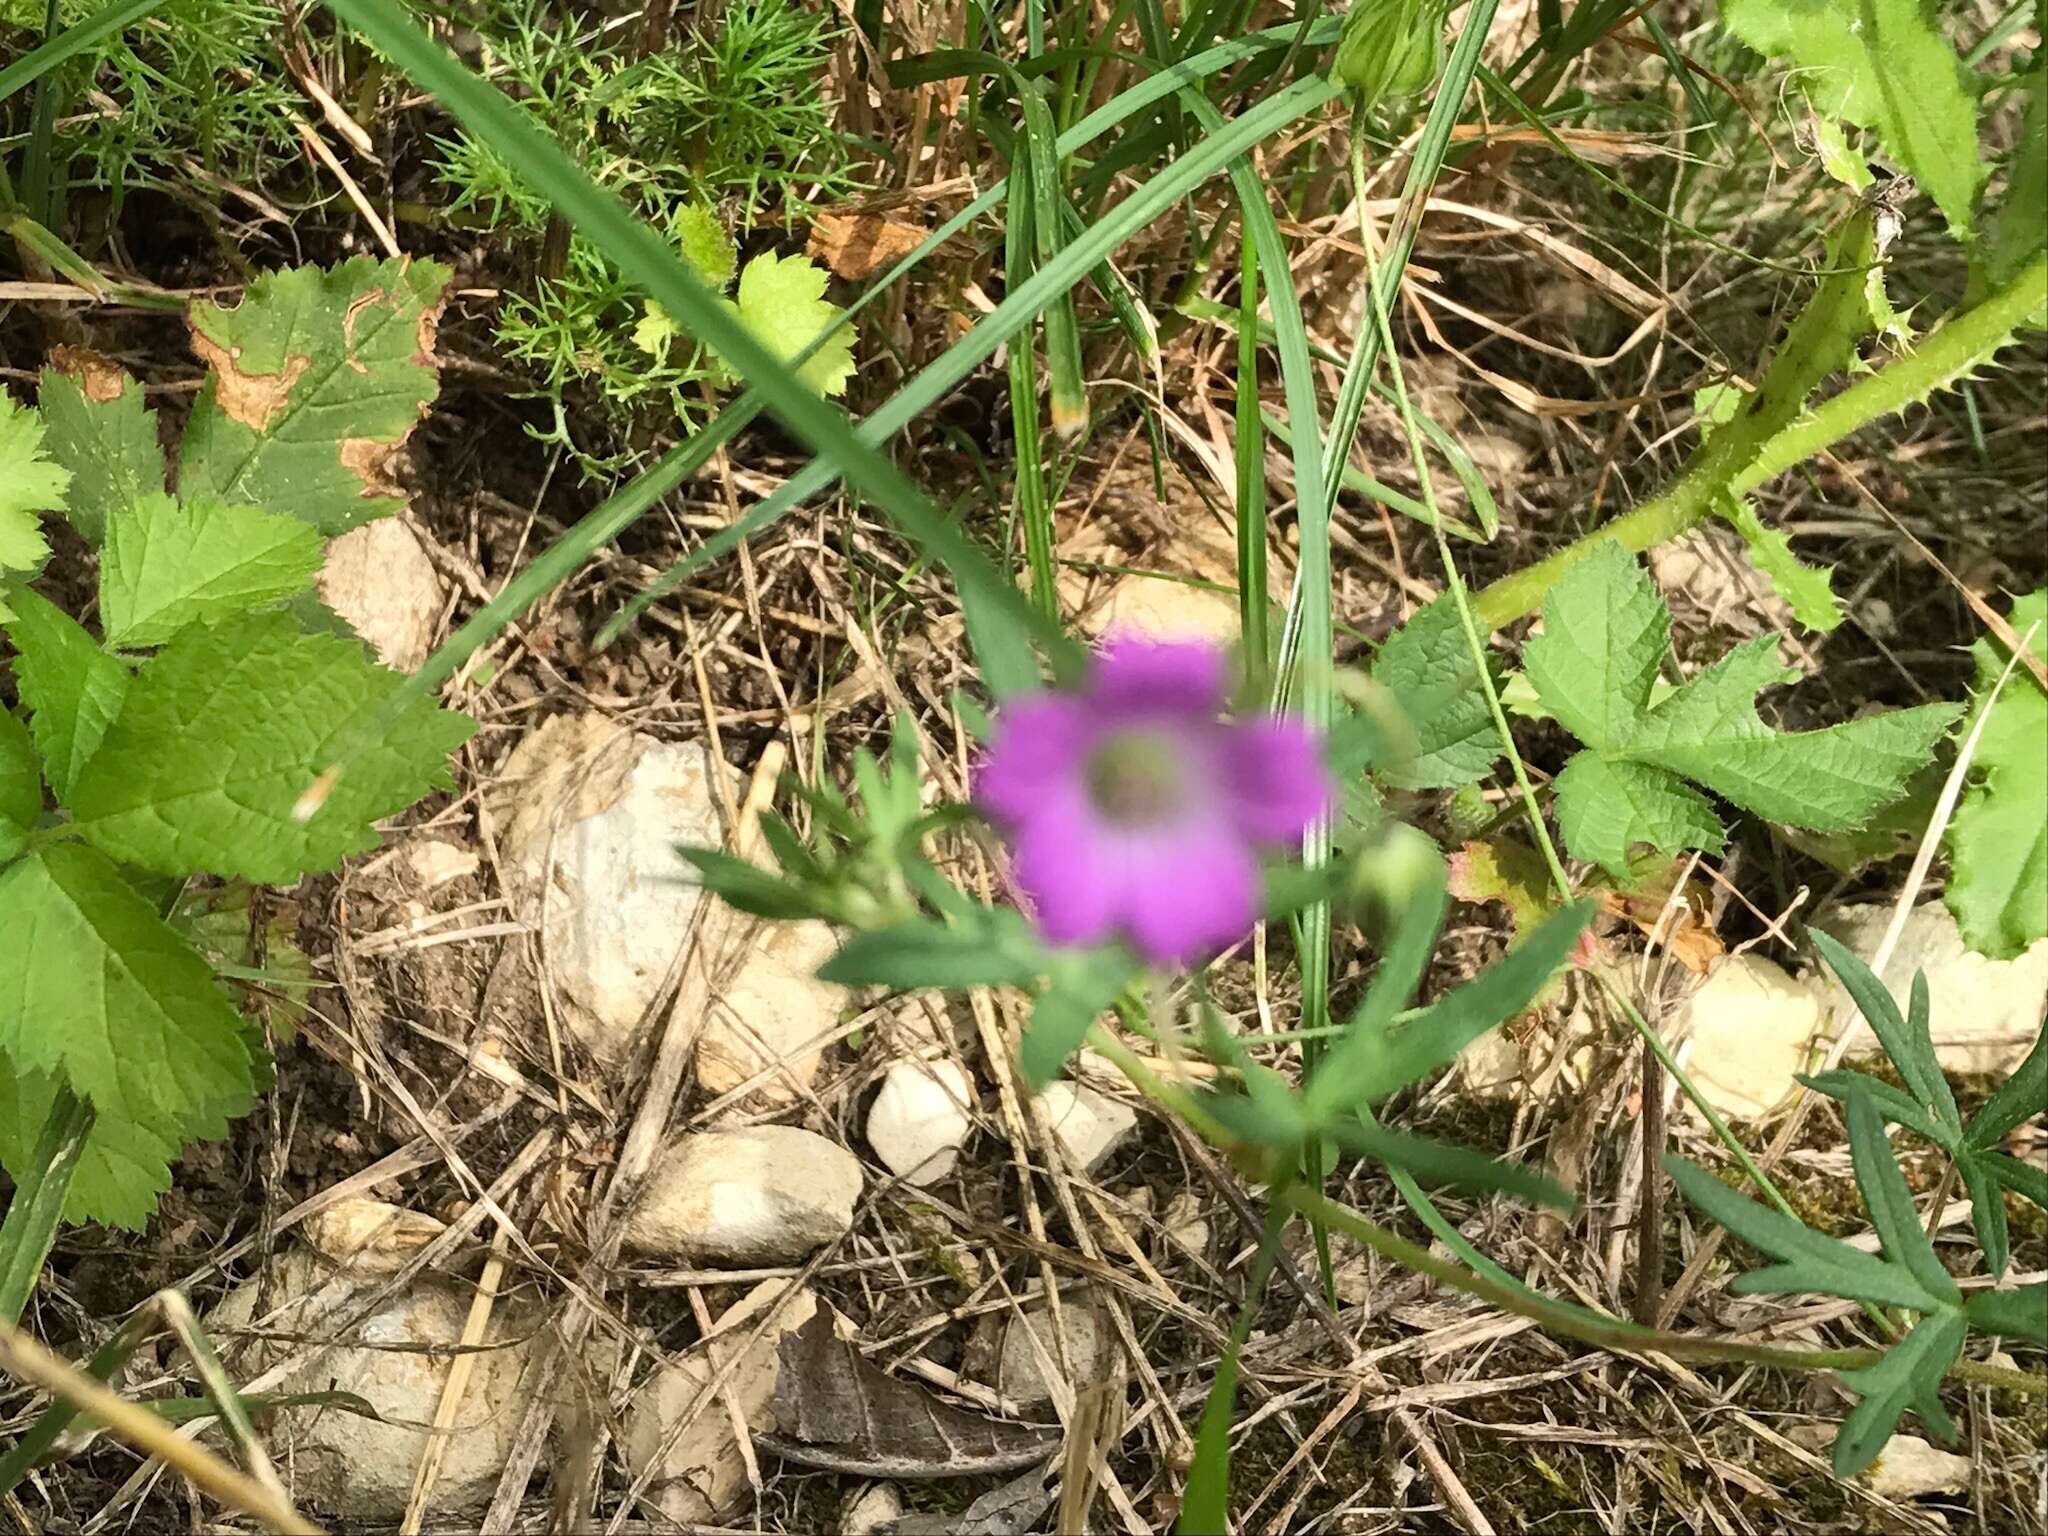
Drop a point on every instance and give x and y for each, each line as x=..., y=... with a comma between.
x=1618, y=1336
x=38, y=1204
x=1968, y=341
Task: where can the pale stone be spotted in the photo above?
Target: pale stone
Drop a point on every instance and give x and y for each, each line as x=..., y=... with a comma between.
x=1750, y=1027
x=1984, y=1014
x=871, y=1510
x=1908, y=1467
x=1185, y=1224
x=1019, y=1375
x=1163, y=609
x=590, y=818
x=1088, y=1125
x=432, y=863
x=771, y=1015
x=921, y=1118
x=764, y=1195
x=1499, y=460
x=360, y=1467
x=380, y=578
x=702, y=1476
x=369, y=1237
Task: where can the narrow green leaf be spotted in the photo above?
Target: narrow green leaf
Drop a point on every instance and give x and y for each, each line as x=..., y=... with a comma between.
x=72, y=688
x=2019, y=1313
x=1906, y=1041
x=114, y=17
x=1909, y=1376
x=1081, y=988
x=2023, y=1179
x=97, y=426
x=1896, y=1106
x=1987, y=1210
x=1441, y=1162
x=994, y=952
x=1205, y=1505
x=168, y=564
x=1891, y=1203
x=748, y=887
x=2020, y=1097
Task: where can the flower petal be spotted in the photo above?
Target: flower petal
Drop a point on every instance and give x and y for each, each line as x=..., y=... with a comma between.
x=1274, y=779
x=1071, y=873
x=1186, y=896
x=1040, y=742
x=1135, y=671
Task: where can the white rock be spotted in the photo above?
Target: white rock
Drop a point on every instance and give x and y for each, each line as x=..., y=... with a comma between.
x=369, y=1237
x=868, y=1511
x=1909, y=1467
x=1088, y=1125
x=380, y=578
x=590, y=817
x=360, y=1467
x=703, y=1475
x=771, y=1015
x=1499, y=460
x=1150, y=605
x=1751, y=1027
x=1020, y=1376
x=1984, y=1014
x=1185, y=1224
x=768, y=1194
x=432, y=863
x=921, y=1118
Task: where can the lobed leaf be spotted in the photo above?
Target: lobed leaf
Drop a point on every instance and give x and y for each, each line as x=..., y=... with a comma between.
x=121, y=1171
x=167, y=565
x=96, y=425
x=314, y=381
x=1806, y=589
x=30, y=484
x=1892, y=1211
x=1998, y=838
x=72, y=688
x=221, y=737
x=1426, y=665
x=1906, y=1041
x=1605, y=633
x=2019, y=1313
x=1606, y=806
x=1909, y=1376
x=2020, y=1097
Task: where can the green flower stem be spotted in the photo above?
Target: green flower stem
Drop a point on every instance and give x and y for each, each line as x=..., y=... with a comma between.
x=1618, y=1336
x=1969, y=341
x=38, y=1205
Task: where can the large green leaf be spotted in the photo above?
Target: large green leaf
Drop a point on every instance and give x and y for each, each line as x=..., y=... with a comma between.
x=1998, y=838
x=72, y=688
x=1883, y=64
x=168, y=564
x=313, y=382
x=121, y=1170
x=1594, y=666
x=97, y=426
x=1606, y=806
x=97, y=990
x=30, y=484
x=222, y=737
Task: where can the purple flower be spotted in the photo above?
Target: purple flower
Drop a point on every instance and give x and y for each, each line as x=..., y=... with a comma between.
x=1135, y=807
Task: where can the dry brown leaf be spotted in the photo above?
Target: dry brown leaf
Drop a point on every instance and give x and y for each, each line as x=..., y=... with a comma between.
x=856, y=246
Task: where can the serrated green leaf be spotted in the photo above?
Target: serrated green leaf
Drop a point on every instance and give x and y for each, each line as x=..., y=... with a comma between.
x=29, y=485
x=168, y=564
x=21, y=786
x=1998, y=838
x=314, y=380
x=1907, y=1041
x=121, y=1171
x=2020, y=1313
x=2023, y=214
x=782, y=301
x=223, y=733
x=1892, y=1211
x=1909, y=1376
x=1883, y=64
x=1831, y=779
x=1081, y=987
x=95, y=987
x=97, y=426
x=1809, y=1260
x=1987, y=1210
x=704, y=243
x=1605, y=807
x=1840, y=161
x=992, y=952
x=1426, y=666
x=72, y=688
x=1805, y=588
x=2020, y=1097
x=1605, y=632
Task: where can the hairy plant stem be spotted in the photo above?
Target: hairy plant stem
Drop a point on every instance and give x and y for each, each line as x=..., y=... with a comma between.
x=1752, y=457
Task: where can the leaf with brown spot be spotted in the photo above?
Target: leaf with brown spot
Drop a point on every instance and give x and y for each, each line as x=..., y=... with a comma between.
x=856, y=246
x=315, y=380
x=837, y=1412
x=96, y=426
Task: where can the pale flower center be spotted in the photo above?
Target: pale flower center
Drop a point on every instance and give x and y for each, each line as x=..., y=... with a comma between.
x=1137, y=778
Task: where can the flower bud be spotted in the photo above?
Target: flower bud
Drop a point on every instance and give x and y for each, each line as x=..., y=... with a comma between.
x=1389, y=49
